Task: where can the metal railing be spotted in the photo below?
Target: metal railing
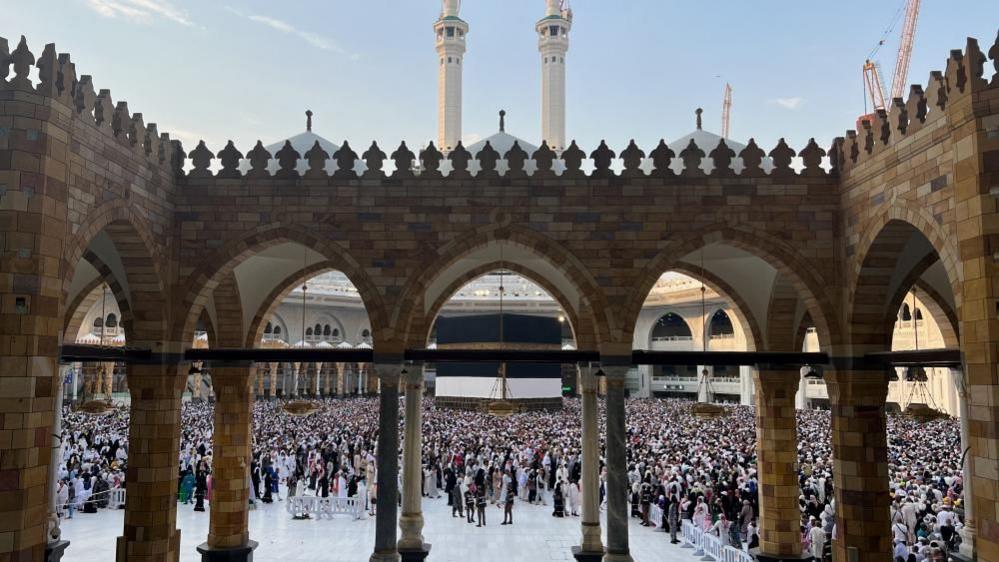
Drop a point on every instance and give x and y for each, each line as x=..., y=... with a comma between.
x=710, y=546
x=325, y=508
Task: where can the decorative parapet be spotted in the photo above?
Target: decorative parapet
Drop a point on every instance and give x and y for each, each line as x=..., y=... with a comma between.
x=58, y=80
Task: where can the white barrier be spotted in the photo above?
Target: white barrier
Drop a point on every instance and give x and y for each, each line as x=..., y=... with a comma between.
x=656, y=516
x=698, y=541
x=116, y=499
x=687, y=530
x=324, y=508
x=732, y=554
x=712, y=547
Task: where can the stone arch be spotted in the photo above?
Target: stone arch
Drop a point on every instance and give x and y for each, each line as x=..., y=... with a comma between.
x=880, y=286
x=228, y=313
x=573, y=278
x=941, y=312
x=143, y=287
x=206, y=277
x=783, y=326
x=812, y=290
x=663, y=314
x=585, y=338
x=280, y=292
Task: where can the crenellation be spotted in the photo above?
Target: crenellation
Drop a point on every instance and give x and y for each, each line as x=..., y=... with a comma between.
x=811, y=157
x=67, y=82
x=936, y=95
x=781, y=156
x=692, y=156
x=151, y=143
x=544, y=158
x=632, y=156
x=430, y=158
x=5, y=61
x=103, y=109
x=573, y=158
x=259, y=158
x=955, y=73
x=602, y=158
x=48, y=72
x=516, y=157
x=137, y=133
x=229, y=157
x=316, y=157
x=201, y=159
x=722, y=157
x=120, y=120
x=345, y=158
x=22, y=59
x=459, y=158
x=287, y=159
x=403, y=158
x=487, y=158
x=994, y=55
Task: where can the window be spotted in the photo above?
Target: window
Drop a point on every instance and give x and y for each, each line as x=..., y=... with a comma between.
x=450, y=60
x=553, y=30
x=365, y=333
x=98, y=322
x=277, y=330
x=327, y=331
x=336, y=332
x=450, y=31
x=308, y=332
x=269, y=328
x=906, y=313
x=317, y=330
x=919, y=314
x=671, y=327
x=112, y=321
x=721, y=326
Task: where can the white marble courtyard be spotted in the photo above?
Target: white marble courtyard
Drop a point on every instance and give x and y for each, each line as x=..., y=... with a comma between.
x=535, y=536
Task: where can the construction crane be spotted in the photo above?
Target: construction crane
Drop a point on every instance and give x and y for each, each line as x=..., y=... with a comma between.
x=872, y=75
x=727, y=111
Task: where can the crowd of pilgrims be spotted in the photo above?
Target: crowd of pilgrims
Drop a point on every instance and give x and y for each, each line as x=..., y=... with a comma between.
x=678, y=465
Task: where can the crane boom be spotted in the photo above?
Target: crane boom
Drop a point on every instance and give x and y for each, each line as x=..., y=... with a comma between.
x=726, y=111
x=872, y=80
x=905, y=49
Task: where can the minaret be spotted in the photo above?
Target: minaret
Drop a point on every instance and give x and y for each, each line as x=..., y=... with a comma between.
x=553, y=42
x=451, y=31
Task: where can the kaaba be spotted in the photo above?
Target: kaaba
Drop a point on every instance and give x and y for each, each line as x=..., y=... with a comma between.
x=472, y=386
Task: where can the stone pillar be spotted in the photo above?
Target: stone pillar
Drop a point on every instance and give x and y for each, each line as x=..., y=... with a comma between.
x=75, y=384
x=386, y=549
x=294, y=379
x=150, y=533
x=327, y=370
x=339, y=379
x=777, y=454
x=969, y=532
x=228, y=535
x=617, y=467
x=860, y=464
x=411, y=545
x=56, y=547
x=590, y=549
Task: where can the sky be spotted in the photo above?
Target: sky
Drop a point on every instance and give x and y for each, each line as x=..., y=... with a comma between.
x=637, y=69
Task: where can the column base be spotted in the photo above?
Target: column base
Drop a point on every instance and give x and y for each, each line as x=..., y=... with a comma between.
x=618, y=557
x=760, y=557
x=414, y=554
x=234, y=554
x=586, y=556
x=961, y=557
x=385, y=556
x=55, y=550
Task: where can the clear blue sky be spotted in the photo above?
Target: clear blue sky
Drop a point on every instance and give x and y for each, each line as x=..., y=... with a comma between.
x=245, y=70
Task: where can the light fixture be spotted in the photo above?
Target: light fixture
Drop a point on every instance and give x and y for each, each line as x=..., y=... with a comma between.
x=501, y=407
x=916, y=374
x=302, y=408
x=812, y=372
x=705, y=410
x=93, y=405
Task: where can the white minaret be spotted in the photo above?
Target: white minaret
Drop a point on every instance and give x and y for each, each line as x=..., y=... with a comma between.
x=553, y=42
x=451, y=31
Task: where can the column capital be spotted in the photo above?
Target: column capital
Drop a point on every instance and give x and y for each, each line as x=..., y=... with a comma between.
x=771, y=381
x=612, y=371
x=389, y=373
x=857, y=387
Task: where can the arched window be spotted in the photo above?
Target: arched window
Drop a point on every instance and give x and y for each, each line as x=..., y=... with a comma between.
x=919, y=314
x=671, y=327
x=308, y=332
x=721, y=325
x=112, y=321
x=906, y=313
x=318, y=330
x=327, y=330
x=336, y=332
x=269, y=328
x=366, y=333
x=277, y=330
x=98, y=322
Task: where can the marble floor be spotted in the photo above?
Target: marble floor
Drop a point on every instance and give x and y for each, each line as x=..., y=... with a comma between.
x=535, y=536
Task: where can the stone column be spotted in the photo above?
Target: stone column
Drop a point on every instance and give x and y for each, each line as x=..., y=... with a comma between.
x=294, y=379
x=339, y=379
x=617, y=467
x=386, y=549
x=590, y=549
x=228, y=535
x=56, y=547
x=411, y=545
x=969, y=532
x=860, y=464
x=777, y=454
x=150, y=532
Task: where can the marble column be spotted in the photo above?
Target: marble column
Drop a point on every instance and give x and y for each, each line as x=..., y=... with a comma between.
x=860, y=464
x=617, y=467
x=228, y=533
x=968, y=532
x=590, y=549
x=56, y=546
x=150, y=533
x=386, y=523
x=294, y=379
x=777, y=454
x=411, y=545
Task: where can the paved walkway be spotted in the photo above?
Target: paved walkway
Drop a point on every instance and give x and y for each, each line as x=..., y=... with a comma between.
x=535, y=536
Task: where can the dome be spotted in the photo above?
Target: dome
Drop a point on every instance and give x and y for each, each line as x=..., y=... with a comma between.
x=706, y=141
x=302, y=143
x=502, y=142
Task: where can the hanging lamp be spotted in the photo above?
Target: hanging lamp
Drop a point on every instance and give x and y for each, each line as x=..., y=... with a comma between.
x=705, y=410
x=501, y=407
x=296, y=407
x=916, y=375
x=93, y=405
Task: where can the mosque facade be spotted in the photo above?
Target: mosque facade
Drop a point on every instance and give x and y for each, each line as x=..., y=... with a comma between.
x=820, y=244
